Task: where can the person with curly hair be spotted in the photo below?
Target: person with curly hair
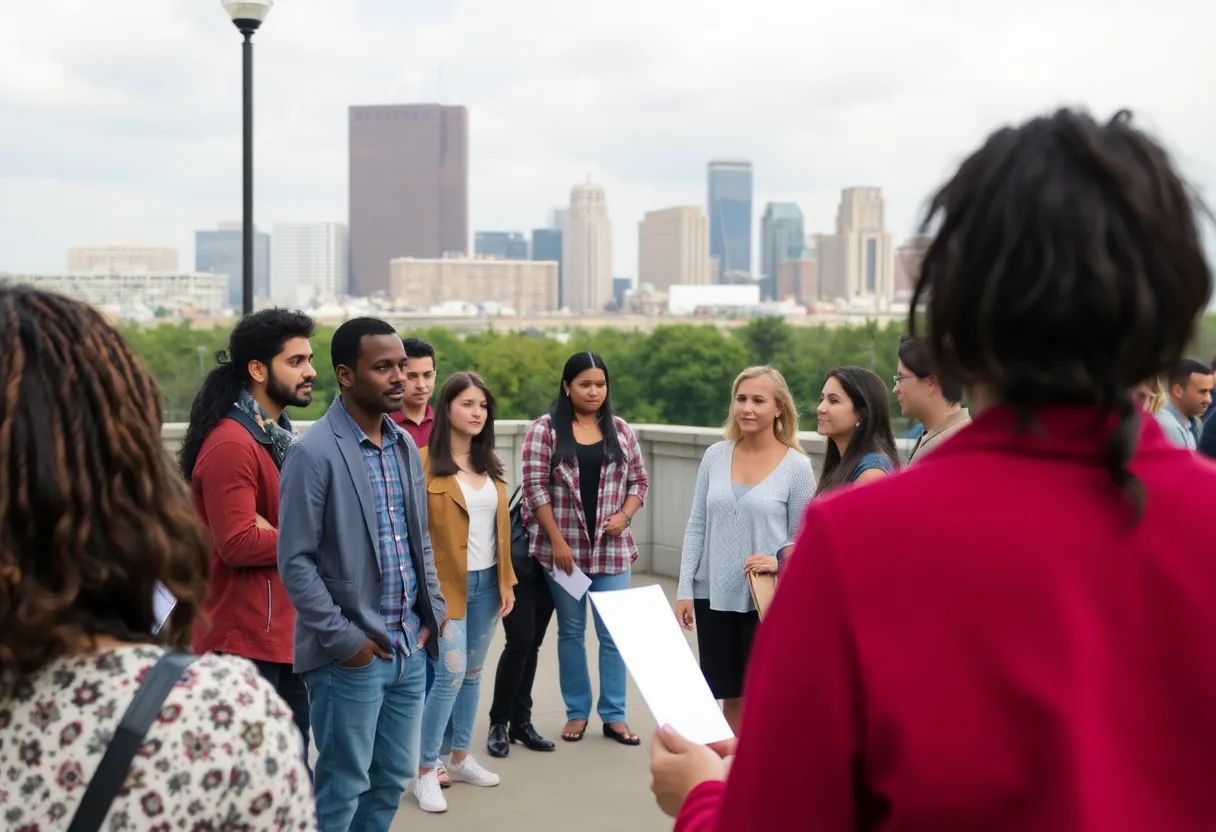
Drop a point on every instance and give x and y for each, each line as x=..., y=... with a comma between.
x=93, y=521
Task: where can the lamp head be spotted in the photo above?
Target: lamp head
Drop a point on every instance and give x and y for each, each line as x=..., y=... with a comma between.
x=247, y=15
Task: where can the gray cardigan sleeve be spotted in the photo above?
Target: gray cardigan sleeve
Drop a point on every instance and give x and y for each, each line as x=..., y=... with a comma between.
x=694, y=534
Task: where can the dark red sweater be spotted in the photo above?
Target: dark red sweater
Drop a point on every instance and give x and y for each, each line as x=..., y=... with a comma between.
x=249, y=611
x=986, y=642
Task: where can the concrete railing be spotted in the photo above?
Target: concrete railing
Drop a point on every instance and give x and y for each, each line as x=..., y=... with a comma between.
x=672, y=454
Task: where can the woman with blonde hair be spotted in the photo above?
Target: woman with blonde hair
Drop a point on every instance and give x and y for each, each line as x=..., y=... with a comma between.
x=1150, y=395
x=750, y=494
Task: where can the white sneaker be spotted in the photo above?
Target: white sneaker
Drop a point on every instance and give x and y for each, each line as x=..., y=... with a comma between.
x=430, y=796
x=470, y=771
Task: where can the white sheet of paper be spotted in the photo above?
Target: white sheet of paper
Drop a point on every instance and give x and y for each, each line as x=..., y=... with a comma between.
x=576, y=583
x=163, y=603
x=662, y=664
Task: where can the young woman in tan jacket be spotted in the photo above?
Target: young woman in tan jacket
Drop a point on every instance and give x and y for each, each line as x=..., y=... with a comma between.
x=470, y=535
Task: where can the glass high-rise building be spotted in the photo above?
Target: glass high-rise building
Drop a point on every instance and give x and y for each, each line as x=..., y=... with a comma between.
x=505, y=245
x=730, y=217
x=547, y=247
x=220, y=251
x=782, y=238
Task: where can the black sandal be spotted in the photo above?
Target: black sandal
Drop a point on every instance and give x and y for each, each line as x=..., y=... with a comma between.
x=620, y=736
x=575, y=736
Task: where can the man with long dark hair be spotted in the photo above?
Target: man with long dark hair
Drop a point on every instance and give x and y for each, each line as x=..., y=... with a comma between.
x=231, y=456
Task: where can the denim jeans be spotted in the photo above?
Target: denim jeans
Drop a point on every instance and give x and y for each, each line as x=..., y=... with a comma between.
x=572, y=670
x=365, y=723
x=451, y=705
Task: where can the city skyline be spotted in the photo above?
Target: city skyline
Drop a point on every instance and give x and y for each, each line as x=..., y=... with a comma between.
x=89, y=127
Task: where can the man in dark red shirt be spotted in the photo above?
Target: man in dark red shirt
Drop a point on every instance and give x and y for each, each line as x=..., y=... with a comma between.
x=416, y=416
x=231, y=456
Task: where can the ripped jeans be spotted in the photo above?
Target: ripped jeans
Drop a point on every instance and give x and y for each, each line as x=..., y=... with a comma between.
x=451, y=705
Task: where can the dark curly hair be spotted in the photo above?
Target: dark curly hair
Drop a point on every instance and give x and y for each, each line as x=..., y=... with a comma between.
x=92, y=512
x=1066, y=268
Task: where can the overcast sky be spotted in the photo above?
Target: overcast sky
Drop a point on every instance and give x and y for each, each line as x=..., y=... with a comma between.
x=123, y=121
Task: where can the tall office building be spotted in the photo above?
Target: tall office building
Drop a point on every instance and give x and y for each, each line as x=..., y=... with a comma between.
x=307, y=259
x=782, y=238
x=409, y=188
x=547, y=248
x=505, y=245
x=221, y=251
x=587, y=251
x=673, y=247
x=122, y=258
x=730, y=217
x=857, y=262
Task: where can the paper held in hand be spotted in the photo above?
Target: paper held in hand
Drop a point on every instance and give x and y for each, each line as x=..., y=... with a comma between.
x=576, y=583
x=163, y=603
x=662, y=664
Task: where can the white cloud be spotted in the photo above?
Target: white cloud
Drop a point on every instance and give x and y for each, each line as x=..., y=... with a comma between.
x=129, y=126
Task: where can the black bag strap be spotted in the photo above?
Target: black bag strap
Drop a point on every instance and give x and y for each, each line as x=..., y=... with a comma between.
x=515, y=499
x=124, y=745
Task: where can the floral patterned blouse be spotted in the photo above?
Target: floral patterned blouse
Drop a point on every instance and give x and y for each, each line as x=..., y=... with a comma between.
x=224, y=753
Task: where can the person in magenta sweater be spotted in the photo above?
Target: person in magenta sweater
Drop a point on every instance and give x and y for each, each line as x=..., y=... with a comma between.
x=231, y=456
x=1014, y=633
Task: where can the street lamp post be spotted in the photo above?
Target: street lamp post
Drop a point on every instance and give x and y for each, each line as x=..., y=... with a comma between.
x=247, y=15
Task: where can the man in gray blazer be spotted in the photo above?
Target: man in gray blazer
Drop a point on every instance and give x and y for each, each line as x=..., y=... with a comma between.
x=355, y=557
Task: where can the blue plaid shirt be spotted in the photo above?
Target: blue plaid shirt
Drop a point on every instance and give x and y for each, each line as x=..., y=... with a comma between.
x=398, y=584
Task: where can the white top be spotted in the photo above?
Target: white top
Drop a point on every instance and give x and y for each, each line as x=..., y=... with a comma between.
x=223, y=754
x=728, y=523
x=483, y=519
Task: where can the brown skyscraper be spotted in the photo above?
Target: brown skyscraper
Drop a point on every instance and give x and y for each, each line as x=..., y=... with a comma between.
x=409, y=187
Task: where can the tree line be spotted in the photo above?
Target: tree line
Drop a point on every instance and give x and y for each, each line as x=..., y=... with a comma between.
x=678, y=374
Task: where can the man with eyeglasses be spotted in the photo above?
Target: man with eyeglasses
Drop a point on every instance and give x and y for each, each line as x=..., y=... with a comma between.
x=924, y=396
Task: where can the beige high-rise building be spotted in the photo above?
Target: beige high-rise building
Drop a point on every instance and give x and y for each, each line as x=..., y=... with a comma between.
x=587, y=251
x=525, y=286
x=673, y=247
x=122, y=258
x=857, y=263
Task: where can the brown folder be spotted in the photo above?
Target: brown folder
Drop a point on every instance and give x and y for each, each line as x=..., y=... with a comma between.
x=763, y=588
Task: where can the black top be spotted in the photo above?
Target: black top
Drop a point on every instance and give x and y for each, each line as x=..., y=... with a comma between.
x=590, y=461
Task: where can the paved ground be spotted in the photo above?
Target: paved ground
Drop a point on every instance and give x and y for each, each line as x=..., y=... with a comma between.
x=593, y=786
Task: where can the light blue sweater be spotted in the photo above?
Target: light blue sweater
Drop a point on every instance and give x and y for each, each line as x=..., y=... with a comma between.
x=723, y=531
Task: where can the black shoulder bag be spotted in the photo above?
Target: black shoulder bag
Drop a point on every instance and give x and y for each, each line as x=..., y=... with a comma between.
x=521, y=561
x=136, y=721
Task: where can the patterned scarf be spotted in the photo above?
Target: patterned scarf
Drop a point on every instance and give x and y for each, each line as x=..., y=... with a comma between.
x=281, y=433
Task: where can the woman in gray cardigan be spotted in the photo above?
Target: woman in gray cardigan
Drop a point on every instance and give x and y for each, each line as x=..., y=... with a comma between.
x=750, y=494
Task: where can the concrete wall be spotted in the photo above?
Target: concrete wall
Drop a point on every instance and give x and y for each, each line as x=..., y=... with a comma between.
x=672, y=454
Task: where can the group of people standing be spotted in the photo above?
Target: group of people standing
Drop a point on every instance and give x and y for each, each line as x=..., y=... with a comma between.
x=753, y=488
x=364, y=566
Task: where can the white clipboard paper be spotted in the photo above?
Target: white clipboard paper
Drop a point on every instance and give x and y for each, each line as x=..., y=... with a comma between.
x=650, y=641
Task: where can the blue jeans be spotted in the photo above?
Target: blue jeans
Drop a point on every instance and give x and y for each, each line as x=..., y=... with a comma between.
x=451, y=705
x=365, y=723
x=572, y=670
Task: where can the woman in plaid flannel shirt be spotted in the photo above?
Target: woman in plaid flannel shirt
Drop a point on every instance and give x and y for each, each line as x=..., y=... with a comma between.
x=583, y=481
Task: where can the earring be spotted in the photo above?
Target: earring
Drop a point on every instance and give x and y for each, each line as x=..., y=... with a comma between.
x=857, y=425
